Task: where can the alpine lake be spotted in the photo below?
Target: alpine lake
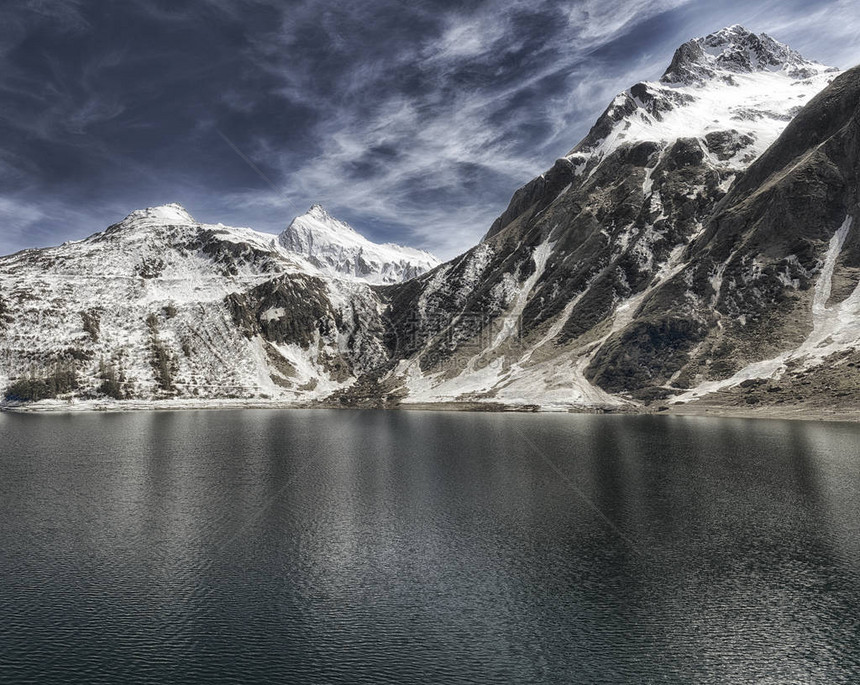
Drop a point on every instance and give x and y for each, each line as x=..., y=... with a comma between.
x=326, y=546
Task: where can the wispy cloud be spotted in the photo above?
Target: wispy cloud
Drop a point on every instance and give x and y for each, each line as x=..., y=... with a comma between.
x=439, y=130
x=415, y=121
x=829, y=32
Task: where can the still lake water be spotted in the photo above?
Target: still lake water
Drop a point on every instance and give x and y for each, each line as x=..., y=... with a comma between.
x=401, y=547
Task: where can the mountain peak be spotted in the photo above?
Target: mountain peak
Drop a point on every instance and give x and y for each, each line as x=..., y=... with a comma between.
x=336, y=247
x=735, y=50
x=318, y=220
x=738, y=87
x=169, y=214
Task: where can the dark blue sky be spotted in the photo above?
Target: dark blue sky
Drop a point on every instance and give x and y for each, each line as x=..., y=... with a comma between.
x=412, y=120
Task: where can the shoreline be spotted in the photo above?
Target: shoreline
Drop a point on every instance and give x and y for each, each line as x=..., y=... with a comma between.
x=693, y=409
x=788, y=413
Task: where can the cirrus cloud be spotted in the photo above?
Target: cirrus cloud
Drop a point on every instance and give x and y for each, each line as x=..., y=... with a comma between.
x=415, y=121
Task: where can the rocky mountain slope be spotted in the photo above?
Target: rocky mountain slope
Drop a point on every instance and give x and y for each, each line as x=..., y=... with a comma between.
x=564, y=301
x=770, y=293
x=699, y=244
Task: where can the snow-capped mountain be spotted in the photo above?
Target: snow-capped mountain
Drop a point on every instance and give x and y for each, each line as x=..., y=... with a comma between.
x=339, y=250
x=733, y=90
x=161, y=306
x=701, y=243
x=561, y=303
x=733, y=51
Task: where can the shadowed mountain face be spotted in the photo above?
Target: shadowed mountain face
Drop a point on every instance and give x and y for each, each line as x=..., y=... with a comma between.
x=699, y=241
x=769, y=295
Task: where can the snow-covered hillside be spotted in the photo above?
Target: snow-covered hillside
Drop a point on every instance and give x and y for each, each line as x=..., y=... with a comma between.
x=339, y=250
x=171, y=308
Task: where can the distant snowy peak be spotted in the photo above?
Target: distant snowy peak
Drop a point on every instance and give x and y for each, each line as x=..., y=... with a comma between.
x=337, y=248
x=172, y=214
x=324, y=224
x=736, y=50
x=733, y=90
x=315, y=243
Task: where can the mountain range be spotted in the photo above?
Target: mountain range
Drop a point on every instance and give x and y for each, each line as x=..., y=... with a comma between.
x=698, y=247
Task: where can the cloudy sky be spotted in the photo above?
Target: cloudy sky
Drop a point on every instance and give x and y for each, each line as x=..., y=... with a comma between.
x=414, y=120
